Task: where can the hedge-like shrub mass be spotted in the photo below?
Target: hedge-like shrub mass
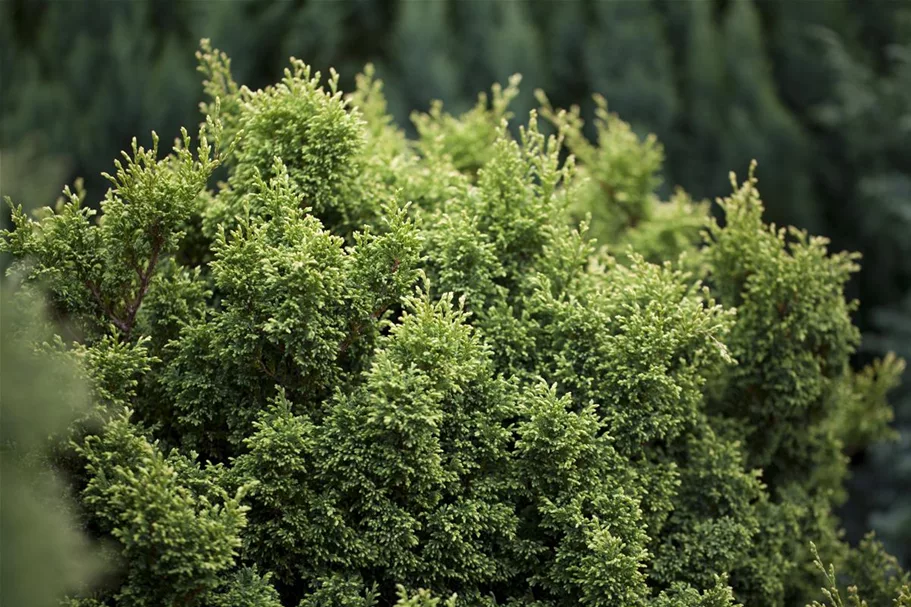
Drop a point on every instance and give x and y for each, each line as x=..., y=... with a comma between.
x=365, y=369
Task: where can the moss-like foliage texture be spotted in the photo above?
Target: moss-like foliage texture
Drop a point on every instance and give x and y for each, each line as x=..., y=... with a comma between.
x=491, y=369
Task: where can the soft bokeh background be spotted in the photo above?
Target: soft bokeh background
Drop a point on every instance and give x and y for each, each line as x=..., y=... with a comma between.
x=818, y=91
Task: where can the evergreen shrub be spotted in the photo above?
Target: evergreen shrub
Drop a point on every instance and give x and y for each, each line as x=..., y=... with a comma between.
x=364, y=369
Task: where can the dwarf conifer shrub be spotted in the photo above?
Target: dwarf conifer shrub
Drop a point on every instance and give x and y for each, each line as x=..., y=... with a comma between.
x=363, y=369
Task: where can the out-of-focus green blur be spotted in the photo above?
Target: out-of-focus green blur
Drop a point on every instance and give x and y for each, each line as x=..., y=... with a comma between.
x=43, y=552
x=819, y=92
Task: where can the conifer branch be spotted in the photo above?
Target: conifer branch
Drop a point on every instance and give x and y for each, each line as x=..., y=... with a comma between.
x=96, y=294
x=145, y=279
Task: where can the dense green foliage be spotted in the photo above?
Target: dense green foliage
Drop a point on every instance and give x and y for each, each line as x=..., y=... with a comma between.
x=363, y=368
x=816, y=91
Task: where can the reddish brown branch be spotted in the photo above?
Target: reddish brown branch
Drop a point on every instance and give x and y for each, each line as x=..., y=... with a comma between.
x=190, y=597
x=145, y=279
x=96, y=293
x=359, y=327
x=374, y=316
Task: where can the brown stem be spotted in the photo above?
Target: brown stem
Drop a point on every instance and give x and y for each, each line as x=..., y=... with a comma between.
x=356, y=330
x=107, y=310
x=144, y=280
x=190, y=597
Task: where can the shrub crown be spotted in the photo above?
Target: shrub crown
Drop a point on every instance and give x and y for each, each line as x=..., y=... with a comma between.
x=496, y=369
